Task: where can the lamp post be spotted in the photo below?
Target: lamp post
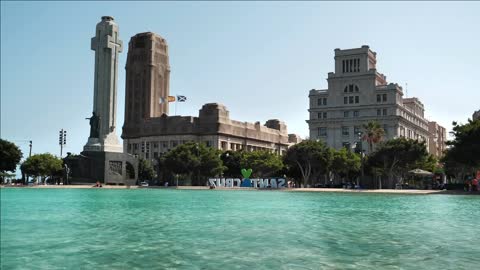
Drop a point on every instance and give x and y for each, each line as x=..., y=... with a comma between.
x=362, y=154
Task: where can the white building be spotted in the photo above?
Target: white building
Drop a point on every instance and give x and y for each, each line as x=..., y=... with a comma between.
x=357, y=94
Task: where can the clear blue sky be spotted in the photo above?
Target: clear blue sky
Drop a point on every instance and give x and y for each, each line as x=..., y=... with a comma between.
x=260, y=59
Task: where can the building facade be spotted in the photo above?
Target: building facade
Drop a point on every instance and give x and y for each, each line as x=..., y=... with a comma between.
x=357, y=94
x=147, y=78
x=438, y=138
x=152, y=137
x=148, y=131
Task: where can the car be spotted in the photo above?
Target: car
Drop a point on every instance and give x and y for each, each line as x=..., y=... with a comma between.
x=144, y=184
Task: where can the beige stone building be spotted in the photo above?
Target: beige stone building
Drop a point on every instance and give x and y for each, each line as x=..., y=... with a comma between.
x=147, y=78
x=213, y=127
x=438, y=137
x=148, y=131
x=357, y=93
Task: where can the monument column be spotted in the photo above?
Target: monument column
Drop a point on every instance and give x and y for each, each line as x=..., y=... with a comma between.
x=107, y=45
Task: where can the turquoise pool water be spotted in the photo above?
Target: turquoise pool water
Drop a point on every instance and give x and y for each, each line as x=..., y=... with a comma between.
x=213, y=229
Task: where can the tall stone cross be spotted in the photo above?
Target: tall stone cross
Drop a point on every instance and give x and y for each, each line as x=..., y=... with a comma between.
x=107, y=45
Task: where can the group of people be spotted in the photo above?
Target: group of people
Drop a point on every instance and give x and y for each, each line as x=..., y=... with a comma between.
x=471, y=185
x=97, y=185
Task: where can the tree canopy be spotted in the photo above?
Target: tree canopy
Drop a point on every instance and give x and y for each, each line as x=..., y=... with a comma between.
x=10, y=156
x=346, y=163
x=310, y=158
x=395, y=157
x=42, y=165
x=372, y=133
x=262, y=163
x=194, y=159
x=463, y=156
x=145, y=170
x=232, y=161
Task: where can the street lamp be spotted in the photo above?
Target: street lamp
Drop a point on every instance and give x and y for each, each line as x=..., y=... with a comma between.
x=362, y=154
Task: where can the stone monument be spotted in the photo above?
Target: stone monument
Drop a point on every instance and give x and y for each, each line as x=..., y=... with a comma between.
x=102, y=158
x=107, y=45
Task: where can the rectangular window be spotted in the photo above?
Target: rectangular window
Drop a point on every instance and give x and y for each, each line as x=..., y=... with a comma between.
x=325, y=115
x=155, y=154
x=343, y=65
x=324, y=101
x=357, y=130
x=155, y=145
x=350, y=100
x=355, y=114
x=319, y=102
x=322, y=131
x=345, y=100
x=129, y=147
x=208, y=143
x=379, y=112
x=319, y=115
x=346, y=114
x=357, y=99
x=384, y=97
x=135, y=146
x=345, y=131
x=379, y=98
x=384, y=111
x=224, y=145
x=165, y=144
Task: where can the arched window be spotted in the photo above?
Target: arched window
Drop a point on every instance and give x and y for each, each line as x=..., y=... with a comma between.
x=351, y=88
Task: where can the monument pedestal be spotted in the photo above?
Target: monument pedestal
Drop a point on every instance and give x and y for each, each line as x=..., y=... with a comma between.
x=109, y=168
x=109, y=144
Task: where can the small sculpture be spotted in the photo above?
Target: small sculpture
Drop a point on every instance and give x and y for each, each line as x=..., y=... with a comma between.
x=94, y=126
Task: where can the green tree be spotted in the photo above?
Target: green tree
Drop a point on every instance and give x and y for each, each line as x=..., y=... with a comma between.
x=262, y=163
x=10, y=156
x=395, y=157
x=428, y=163
x=42, y=165
x=232, y=162
x=466, y=143
x=194, y=159
x=345, y=163
x=372, y=134
x=145, y=170
x=310, y=158
x=463, y=156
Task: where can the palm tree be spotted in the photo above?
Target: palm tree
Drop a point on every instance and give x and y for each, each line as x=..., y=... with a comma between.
x=373, y=133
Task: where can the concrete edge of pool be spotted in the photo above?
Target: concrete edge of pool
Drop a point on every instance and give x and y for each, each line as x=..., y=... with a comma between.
x=338, y=190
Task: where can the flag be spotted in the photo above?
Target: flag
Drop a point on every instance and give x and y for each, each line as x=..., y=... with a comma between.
x=168, y=99
x=181, y=98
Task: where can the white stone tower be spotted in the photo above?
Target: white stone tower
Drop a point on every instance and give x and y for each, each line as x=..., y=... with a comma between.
x=107, y=45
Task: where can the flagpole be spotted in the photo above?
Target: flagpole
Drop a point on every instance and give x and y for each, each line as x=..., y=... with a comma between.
x=176, y=108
